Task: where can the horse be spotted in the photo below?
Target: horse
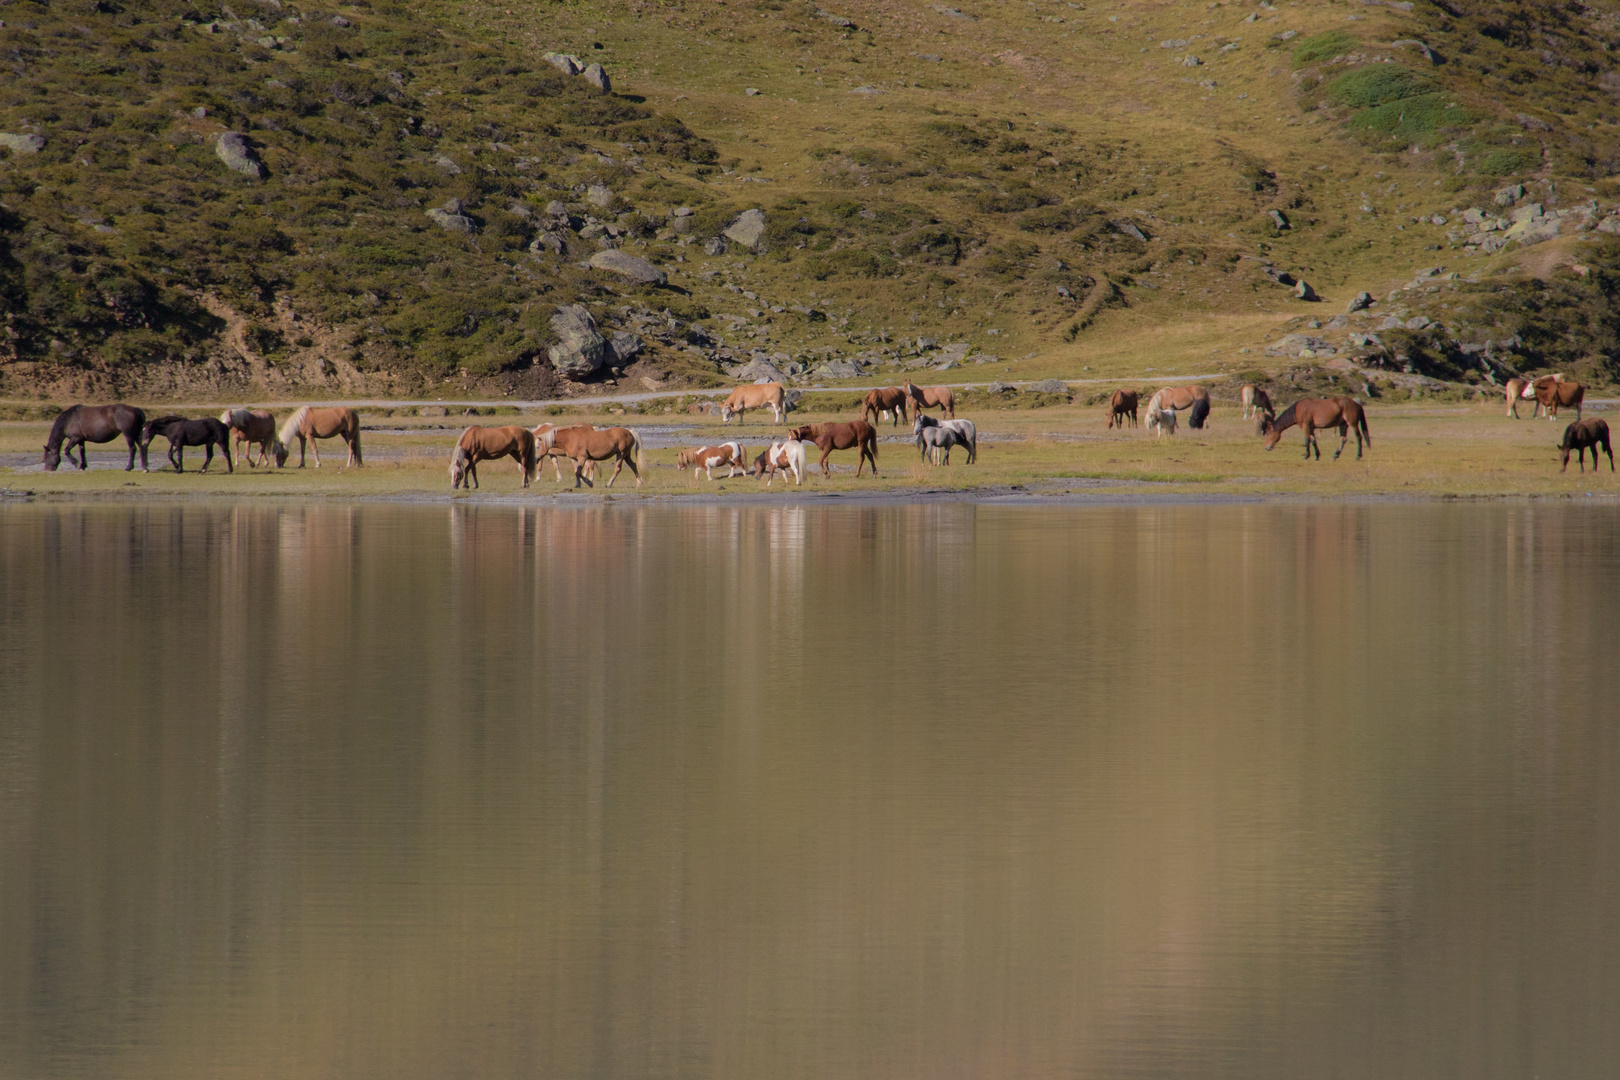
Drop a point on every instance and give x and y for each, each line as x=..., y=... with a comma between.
x=966, y=434
x=889, y=400
x=311, y=424
x=1178, y=398
x=252, y=426
x=1121, y=405
x=787, y=456
x=1518, y=389
x=583, y=444
x=830, y=437
x=1315, y=414
x=1582, y=434
x=1159, y=419
x=934, y=440
x=1552, y=392
x=758, y=396
x=932, y=397
x=708, y=458
x=1255, y=402
x=181, y=433
x=487, y=444
x=80, y=424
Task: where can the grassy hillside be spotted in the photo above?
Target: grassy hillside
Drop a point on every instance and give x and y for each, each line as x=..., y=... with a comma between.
x=1122, y=190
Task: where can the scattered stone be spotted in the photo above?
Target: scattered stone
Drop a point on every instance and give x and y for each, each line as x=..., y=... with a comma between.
x=953, y=13
x=955, y=350
x=624, y=347
x=810, y=314
x=1130, y=229
x=580, y=350
x=758, y=370
x=1303, y=291
x=431, y=410
x=599, y=195
x=1390, y=323
x=449, y=216
x=1473, y=215
x=1420, y=322
x=947, y=365
x=1360, y=302
x=624, y=264
x=866, y=90
x=999, y=387
x=1338, y=322
x=836, y=369
x=32, y=144
x=751, y=92
x=597, y=76
x=238, y=156
x=339, y=21
x=714, y=245
x=1048, y=386
x=1428, y=53
x=1509, y=195
x=564, y=62
x=548, y=241
x=748, y=230
x=444, y=162
x=1173, y=43
x=1279, y=219
x=837, y=20
x=1192, y=61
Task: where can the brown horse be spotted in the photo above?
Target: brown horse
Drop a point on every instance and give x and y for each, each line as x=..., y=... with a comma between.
x=890, y=399
x=487, y=444
x=1584, y=434
x=1553, y=393
x=1179, y=398
x=80, y=424
x=830, y=437
x=309, y=424
x=709, y=458
x=1121, y=405
x=758, y=396
x=252, y=426
x=932, y=397
x=1319, y=414
x=583, y=444
x=1256, y=402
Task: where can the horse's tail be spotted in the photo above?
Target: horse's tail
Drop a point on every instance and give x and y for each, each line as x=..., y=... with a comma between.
x=293, y=424
x=635, y=448
x=529, y=459
x=1200, y=413
x=354, y=441
x=1361, y=425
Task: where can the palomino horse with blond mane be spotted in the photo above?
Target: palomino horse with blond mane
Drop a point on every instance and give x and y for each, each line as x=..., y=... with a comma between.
x=1181, y=398
x=932, y=397
x=311, y=424
x=487, y=444
x=885, y=401
x=583, y=444
x=758, y=396
x=253, y=427
x=1318, y=414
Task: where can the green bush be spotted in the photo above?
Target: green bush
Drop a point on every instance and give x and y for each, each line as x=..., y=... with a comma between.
x=1377, y=84
x=1322, y=46
x=1413, y=116
x=1505, y=161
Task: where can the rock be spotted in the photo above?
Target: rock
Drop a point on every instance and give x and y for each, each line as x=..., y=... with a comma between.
x=446, y=164
x=714, y=245
x=1361, y=302
x=926, y=343
x=757, y=371
x=564, y=62
x=1418, y=323
x=836, y=369
x=580, y=350
x=557, y=210
x=599, y=195
x=1192, y=61
x=592, y=231
x=999, y=387
x=238, y=156
x=1338, y=322
x=1048, y=386
x=597, y=76
x=681, y=212
x=1130, y=229
x=339, y=21
x=1509, y=195
x=1279, y=219
x=866, y=90
x=431, y=410
x=1303, y=291
x=449, y=216
x=1438, y=219
x=748, y=230
x=1173, y=43
x=1390, y=323
x=987, y=358
x=1527, y=212
x=810, y=314
x=1428, y=53
x=32, y=144
x=624, y=347
x=837, y=20
x=955, y=350
x=634, y=267
x=1473, y=215
x=751, y=92
x=948, y=365
x=548, y=241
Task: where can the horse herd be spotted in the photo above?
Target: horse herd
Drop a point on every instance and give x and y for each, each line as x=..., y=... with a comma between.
x=80, y=424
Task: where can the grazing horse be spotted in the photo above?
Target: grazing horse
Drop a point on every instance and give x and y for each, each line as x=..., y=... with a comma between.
x=311, y=424
x=758, y=396
x=181, y=433
x=1319, y=414
x=787, y=456
x=889, y=400
x=583, y=444
x=1256, y=402
x=1552, y=393
x=252, y=426
x=1121, y=405
x=1582, y=434
x=932, y=397
x=80, y=424
x=709, y=458
x=830, y=437
x=966, y=434
x=487, y=444
x=1160, y=419
x=1178, y=398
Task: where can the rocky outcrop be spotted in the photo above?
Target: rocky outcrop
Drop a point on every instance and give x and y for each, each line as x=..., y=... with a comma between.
x=1303, y=291
x=597, y=76
x=1049, y=386
x=580, y=350
x=623, y=348
x=237, y=154
x=450, y=217
x=637, y=269
x=748, y=230
x=566, y=63
x=22, y=144
x=1361, y=302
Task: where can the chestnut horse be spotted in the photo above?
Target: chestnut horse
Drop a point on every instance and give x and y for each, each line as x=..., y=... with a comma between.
x=80, y=424
x=1319, y=414
x=1178, y=398
x=758, y=396
x=932, y=397
x=252, y=426
x=309, y=424
x=486, y=444
x=1584, y=434
x=1256, y=402
x=1552, y=393
x=787, y=456
x=1121, y=405
x=583, y=444
x=890, y=399
x=708, y=458
x=830, y=437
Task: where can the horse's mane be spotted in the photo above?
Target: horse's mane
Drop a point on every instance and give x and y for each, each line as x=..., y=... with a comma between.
x=1286, y=418
x=161, y=420
x=294, y=422
x=59, y=428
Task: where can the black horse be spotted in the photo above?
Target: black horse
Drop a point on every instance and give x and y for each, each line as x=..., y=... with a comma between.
x=79, y=424
x=181, y=433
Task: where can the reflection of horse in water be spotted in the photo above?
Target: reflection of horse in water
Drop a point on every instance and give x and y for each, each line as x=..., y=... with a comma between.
x=1316, y=414
x=253, y=426
x=1180, y=398
x=487, y=444
x=181, y=433
x=79, y=424
x=311, y=424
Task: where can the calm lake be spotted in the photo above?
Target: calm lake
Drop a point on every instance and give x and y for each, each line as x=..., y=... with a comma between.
x=876, y=790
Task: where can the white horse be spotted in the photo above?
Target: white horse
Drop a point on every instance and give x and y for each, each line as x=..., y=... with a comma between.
x=1161, y=419
x=787, y=456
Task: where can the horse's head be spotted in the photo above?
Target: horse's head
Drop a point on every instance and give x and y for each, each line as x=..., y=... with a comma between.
x=801, y=433
x=683, y=459
x=1273, y=434
x=279, y=452
x=458, y=468
x=725, y=414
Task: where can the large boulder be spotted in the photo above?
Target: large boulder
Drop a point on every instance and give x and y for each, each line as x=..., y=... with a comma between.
x=597, y=76
x=836, y=369
x=748, y=230
x=1049, y=386
x=1360, y=302
x=22, y=144
x=634, y=267
x=624, y=347
x=580, y=350
x=450, y=217
x=234, y=150
x=566, y=63
x=757, y=371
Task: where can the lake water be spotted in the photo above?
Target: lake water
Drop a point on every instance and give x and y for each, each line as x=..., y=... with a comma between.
x=812, y=790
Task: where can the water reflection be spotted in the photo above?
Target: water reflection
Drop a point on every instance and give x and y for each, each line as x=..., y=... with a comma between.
x=810, y=791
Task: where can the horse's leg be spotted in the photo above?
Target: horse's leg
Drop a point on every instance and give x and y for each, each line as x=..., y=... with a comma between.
x=1344, y=437
x=825, y=454
x=579, y=473
x=208, y=455
x=130, y=439
x=315, y=449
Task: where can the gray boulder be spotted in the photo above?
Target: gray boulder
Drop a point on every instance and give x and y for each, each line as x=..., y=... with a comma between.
x=450, y=217
x=24, y=144
x=444, y=162
x=954, y=351
x=1049, y=386
x=624, y=264
x=999, y=387
x=1509, y=195
x=748, y=230
x=757, y=371
x=233, y=149
x=564, y=62
x=1360, y=302
x=836, y=369
x=1279, y=219
x=714, y=245
x=548, y=241
x=599, y=195
x=624, y=347
x=597, y=76
x=1303, y=291
x=580, y=350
